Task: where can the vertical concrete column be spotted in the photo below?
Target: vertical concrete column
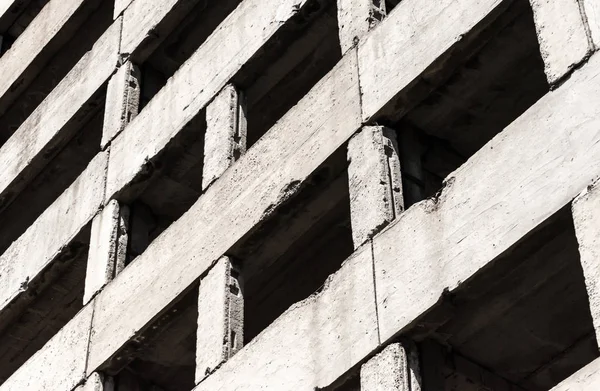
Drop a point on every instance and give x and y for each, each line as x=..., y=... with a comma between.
x=563, y=35
x=396, y=368
x=220, y=317
x=586, y=217
x=108, y=248
x=97, y=382
x=375, y=182
x=226, y=130
x=122, y=101
x=356, y=18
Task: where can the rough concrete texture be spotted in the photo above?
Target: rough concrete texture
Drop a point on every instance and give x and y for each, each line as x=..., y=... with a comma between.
x=460, y=231
x=60, y=364
x=52, y=232
x=226, y=133
x=374, y=180
x=586, y=379
x=220, y=318
x=194, y=85
x=120, y=6
x=245, y=195
x=396, y=368
x=60, y=115
x=591, y=9
x=356, y=18
x=562, y=35
x=122, y=101
x=97, y=382
x=108, y=247
x=314, y=342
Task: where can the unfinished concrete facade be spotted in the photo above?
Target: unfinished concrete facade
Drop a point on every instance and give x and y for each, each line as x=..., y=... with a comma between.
x=221, y=195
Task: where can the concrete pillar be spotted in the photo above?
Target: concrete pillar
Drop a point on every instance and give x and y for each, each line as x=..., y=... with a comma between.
x=108, y=248
x=375, y=181
x=396, y=368
x=356, y=18
x=226, y=131
x=220, y=317
x=97, y=382
x=586, y=218
x=122, y=101
x=563, y=36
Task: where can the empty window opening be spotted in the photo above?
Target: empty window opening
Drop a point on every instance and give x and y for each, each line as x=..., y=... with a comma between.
x=52, y=299
x=53, y=179
x=71, y=48
x=525, y=317
x=502, y=76
x=289, y=256
x=300, y=54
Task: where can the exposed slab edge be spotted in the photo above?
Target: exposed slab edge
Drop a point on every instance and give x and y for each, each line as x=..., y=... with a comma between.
x=10, y=11
x=586, y=379
x=194, y=85
x=58, y=117
x=46, y=33
x=28, y=256
x=502, y=193
x=266, y=176
x=314, y=342
x=60, y=364
x=414, y=30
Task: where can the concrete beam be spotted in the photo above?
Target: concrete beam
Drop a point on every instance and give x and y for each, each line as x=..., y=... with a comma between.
x=120, y=6
x=269, y=174
x=122, y=101
x=591, y=9
x=564, y=138
x=562, y=34
x=50, y=29
x=220, y=318
x=375, y=183
x=586, y=379
x=356, y=18
x=108, y=248
x=26, y=259
x=314, y=342
x=195, y=84
x=60, y=364
x=396, y=368
x=226, y=133
x=60, y=115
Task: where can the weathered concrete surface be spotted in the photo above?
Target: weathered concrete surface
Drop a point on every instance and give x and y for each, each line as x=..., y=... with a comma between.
x=195, y=84
x=314, y=342
x=586, y=379
x=396, y=368
x=60, y=364
x=220, y=318
x=27, y=56
x=249, y=192
x=375, y=182
x=226, y=133
x=490, y=202
x=586, y=218
x=120, y=6
x=356, y=18
x=562, y=35
x=97, y=382
x=108, y=247
x=44, y=240
x=122, y=101
x=61, y=114
x=408, y=41
x=591, y=10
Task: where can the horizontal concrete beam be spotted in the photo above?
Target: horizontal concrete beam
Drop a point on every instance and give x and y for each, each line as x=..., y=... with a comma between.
x=195, y=84
x=60, y=364
x=58, y=117
x=586, y=379
x=490, y=202
x=50, y=29
x=246, y=194
x=28, y=256
x=314, y=342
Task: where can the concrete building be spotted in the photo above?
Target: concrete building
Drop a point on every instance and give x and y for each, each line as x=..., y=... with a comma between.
x=222, y=195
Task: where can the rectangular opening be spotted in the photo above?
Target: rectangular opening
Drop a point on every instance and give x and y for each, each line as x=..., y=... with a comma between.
x=525, y=318
x=497, y=76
